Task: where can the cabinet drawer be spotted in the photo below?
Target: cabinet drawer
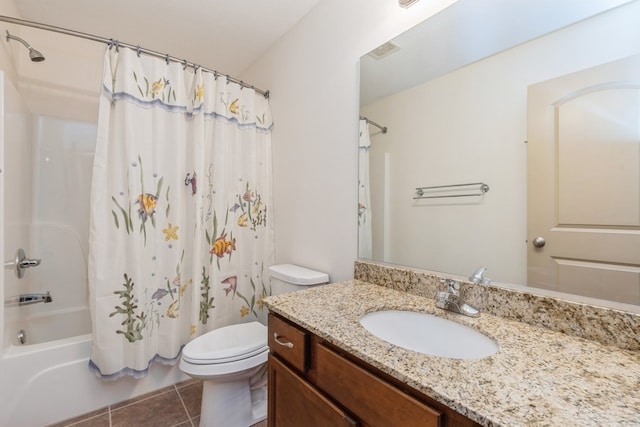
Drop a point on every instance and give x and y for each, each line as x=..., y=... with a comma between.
x=368, y=397
x=289, y=342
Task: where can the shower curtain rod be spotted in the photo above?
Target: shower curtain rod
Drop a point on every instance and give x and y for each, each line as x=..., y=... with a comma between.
x=117, y=43
x=384, y=129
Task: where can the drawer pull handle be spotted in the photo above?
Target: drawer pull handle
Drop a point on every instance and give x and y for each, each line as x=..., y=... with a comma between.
x=282, y=343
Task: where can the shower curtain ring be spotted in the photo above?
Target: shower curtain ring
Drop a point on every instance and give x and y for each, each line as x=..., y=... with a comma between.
x=184, y=66
x=117, y=46
x=111, y=43
x=138, y=51
x=166, y=58
x=241, y=85
x=215, y=75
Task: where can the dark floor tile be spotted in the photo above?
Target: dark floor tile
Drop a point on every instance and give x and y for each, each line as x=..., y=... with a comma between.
x=188, y=382
x=162, y=410
x=192, y=397
x=97, y=418
x=141, y=397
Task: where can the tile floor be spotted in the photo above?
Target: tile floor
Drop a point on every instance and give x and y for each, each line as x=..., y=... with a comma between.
x=174, y=406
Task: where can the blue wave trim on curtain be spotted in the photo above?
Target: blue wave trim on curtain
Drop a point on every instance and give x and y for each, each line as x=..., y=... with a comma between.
x=135, y=373
x=157, y=102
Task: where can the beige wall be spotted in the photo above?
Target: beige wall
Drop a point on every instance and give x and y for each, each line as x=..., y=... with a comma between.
x=313, y=75
x=7, y=8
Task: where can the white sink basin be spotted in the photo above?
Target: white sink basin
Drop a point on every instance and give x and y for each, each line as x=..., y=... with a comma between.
x=428, y=334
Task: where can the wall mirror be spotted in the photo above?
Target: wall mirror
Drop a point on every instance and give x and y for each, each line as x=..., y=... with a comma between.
x=539, y=100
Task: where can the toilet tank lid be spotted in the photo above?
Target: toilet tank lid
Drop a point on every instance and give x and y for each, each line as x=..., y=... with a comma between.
x=297, y=275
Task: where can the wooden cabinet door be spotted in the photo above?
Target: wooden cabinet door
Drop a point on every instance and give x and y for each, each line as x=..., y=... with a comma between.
x=371, y=399
x=293, y=402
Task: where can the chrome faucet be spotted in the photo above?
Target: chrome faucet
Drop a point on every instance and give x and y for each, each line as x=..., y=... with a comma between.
x=20, y=262
x=28, y=299
x=478, y=277
x=450, y=300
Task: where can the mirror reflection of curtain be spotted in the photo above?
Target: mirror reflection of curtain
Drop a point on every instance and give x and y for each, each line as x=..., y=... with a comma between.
x=364, y=200
x=180, y=232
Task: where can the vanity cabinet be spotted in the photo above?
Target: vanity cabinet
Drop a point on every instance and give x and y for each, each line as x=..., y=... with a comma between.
x=314, y=383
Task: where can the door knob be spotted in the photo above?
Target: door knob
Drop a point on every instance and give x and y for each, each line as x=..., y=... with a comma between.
x=539, y=242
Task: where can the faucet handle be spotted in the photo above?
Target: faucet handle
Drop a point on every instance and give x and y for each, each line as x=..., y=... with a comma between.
x=452, y=286
x=478, y=277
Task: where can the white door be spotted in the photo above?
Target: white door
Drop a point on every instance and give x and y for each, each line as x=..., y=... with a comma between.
x=584, y=182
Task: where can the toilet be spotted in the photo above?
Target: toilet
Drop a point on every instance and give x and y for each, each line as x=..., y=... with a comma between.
x=232, y=360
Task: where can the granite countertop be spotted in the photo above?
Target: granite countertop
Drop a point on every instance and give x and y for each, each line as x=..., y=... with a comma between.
x=537, y=377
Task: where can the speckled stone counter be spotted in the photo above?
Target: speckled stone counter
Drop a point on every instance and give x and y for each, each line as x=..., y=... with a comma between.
x=538, y=377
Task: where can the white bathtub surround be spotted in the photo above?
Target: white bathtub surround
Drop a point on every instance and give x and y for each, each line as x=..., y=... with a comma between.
x=46, y=156
x=180, y=233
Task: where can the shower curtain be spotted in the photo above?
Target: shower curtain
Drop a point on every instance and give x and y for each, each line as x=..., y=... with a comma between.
x=181, y=232
x=364, y=200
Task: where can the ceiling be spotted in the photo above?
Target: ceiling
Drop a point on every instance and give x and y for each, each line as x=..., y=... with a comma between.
x=227, y=36
x=465, y=32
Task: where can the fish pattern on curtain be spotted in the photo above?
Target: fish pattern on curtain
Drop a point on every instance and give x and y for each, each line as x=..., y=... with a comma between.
x=181, y=231
x=365, y=245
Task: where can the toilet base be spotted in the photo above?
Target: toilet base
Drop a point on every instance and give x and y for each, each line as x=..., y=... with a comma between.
x=229, y=404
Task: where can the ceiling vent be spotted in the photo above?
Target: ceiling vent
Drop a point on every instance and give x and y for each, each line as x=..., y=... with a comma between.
x=406, y=3
x=383, y=50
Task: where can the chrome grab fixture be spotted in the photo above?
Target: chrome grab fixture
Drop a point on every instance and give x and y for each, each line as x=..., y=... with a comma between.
x=450, y=300
x=478, y=277
x=451, y=191
x=21, y=262
x=28, y=299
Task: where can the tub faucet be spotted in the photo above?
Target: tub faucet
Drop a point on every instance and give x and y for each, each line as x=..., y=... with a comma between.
x=478, y=277
x=28, y=299
x=450, y=300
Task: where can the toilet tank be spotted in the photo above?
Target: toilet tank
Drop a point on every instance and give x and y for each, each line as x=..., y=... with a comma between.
x=289, y=278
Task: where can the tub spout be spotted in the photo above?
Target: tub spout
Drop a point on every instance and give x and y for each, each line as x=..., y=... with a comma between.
x=28, y=299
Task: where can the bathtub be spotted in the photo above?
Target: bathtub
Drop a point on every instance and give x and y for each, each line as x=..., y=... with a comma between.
x=48, y=379
x=48, y=382
x=49, y=326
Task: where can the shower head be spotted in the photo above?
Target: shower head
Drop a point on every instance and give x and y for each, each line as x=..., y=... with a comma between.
x=35, y=55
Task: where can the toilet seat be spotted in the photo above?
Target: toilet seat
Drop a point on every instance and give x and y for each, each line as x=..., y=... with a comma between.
x=227, y=344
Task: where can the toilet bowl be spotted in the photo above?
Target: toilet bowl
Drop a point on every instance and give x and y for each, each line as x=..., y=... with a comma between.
x=232, y=360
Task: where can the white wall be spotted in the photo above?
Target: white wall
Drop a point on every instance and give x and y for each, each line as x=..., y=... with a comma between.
x=313, y=76
x=15, y=131
x=7, y=8
x=468, y=126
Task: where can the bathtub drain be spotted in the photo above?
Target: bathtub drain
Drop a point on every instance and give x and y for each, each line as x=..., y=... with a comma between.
x=22, y=337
